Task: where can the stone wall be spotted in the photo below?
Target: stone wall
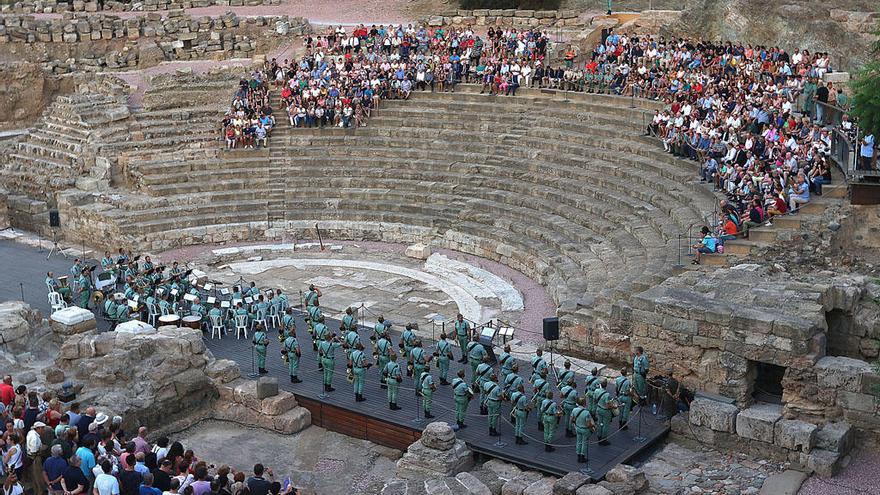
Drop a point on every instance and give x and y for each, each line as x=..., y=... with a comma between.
x=177, y=35
x=715, y=330
x=509, y=18
x=4, y=209
x=764, y=431
x=50, y=6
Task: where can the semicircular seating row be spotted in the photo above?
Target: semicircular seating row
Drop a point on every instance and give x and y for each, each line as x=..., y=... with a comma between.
x=560, y=186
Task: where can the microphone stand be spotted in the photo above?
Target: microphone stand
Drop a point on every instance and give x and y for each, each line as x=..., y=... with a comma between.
x=253, y=373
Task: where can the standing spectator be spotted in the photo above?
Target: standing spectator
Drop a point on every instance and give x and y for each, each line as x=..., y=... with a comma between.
x=201, y=486
x=7, y=392
x=13, y=454
x=53, y=471
x=866, y=153
x=74, y=481
x=129, y=479
x=85, y=420
x=162, y=475
x=34, y=444
x=822, y=94
x=11, y=486
x=257, y=485
x=106, y=483
x=87, y=458
x=147, y=487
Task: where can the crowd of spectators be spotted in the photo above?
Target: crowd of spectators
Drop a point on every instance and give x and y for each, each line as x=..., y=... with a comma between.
x=51, y=449
x=249, y=120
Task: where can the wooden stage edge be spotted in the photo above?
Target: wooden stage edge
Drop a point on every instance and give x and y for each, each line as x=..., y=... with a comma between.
x=357, y=425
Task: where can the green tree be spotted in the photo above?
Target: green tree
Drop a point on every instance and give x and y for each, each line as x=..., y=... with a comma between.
x=866, y=91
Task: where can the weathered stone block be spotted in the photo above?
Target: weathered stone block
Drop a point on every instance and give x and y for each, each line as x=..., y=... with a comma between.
x=267, y=387
x=757, y=422
x=715, y=415
x=223, y=370
x=278, y=404
x=794, y=434
x=594, y=490
x=472, y=485
x=835, y=437
x=438, y=435
x=840, y=373
x=569, y=484
x=822, y=462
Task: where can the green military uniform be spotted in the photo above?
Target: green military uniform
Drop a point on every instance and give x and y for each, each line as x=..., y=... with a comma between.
x=603, y=412
x=314, y=314
x=640, y=373
x=407, y=338
x=383, y=349
x=293, y=353
x=624, y=398
x=566, y=377
x=349, y=322
x=311, y=298
x=475, y=352
x=512, y=383
x=462, y=333
x=484, y=371
x=165, y=307
x=352, y=339
x=110, y=307
x=519, y=412
x=549, y=411
x=505, y=363
x=358, y=368
x=63, y=291
x=261, y=342
x=492, y=400
x=580, y=417
x=392, y=377
x=541, y=386
x=569, y=402
x=84, y=284
x=418, y=360
x=320, y=331
x=122, y=314
x=462, y=393
x=444, y=356
x=327, y=355
x=380, y=330
x=538, y=367
x=288, y=323
x=197, y=309
x=243, y=312
x=426, y=383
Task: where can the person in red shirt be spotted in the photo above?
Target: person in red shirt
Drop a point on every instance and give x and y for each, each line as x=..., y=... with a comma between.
x=7, y=391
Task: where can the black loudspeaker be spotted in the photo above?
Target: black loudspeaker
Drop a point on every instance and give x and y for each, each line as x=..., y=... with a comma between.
x=54, y=219
x=551, y=328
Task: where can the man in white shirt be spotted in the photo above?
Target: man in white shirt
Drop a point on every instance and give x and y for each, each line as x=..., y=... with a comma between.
x=106, y=483
x=33, y=445
x=11, y=486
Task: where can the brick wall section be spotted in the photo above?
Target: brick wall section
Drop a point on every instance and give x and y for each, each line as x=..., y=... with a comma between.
x=53, y=6
x=509, y=18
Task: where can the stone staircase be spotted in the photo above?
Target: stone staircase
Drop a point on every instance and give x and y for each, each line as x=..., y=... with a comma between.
x=62, y=145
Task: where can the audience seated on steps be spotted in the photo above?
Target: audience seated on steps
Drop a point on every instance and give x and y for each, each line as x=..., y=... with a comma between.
x=249, y=120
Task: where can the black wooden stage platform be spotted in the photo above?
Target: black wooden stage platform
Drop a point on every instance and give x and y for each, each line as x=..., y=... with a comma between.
x=372, y=420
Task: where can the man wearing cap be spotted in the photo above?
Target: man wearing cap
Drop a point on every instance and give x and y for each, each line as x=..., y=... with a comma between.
x=312, y=296
x=53, y=471
x=583, y=427
x=475, y=355
x=506, y=362
x=349, y=321
x=261, y=343
x=33, y=447
x=407, y=340
x=603, y=411
x=392, y=378
x=624, y=397
x=565, y=377
x=382, y=353
x=293, y=352
x=443, y=353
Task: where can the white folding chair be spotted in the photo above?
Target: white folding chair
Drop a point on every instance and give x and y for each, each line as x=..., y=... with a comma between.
x=260, y=318
x=241, y=326
x=152, y=314
x=274, y=317
x=56, y=301
x=49, y=286
x=216, y=326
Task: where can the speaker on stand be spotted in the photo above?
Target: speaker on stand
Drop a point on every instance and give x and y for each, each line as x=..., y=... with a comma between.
x=55, y=224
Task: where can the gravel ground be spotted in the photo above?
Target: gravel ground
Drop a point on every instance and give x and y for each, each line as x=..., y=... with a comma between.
x=862, y=476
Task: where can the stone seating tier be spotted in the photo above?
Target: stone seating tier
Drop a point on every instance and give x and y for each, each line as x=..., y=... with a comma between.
x=558, y=186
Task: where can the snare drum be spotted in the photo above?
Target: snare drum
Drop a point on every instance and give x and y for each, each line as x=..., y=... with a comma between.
x=192, y=321
x=170, y=320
